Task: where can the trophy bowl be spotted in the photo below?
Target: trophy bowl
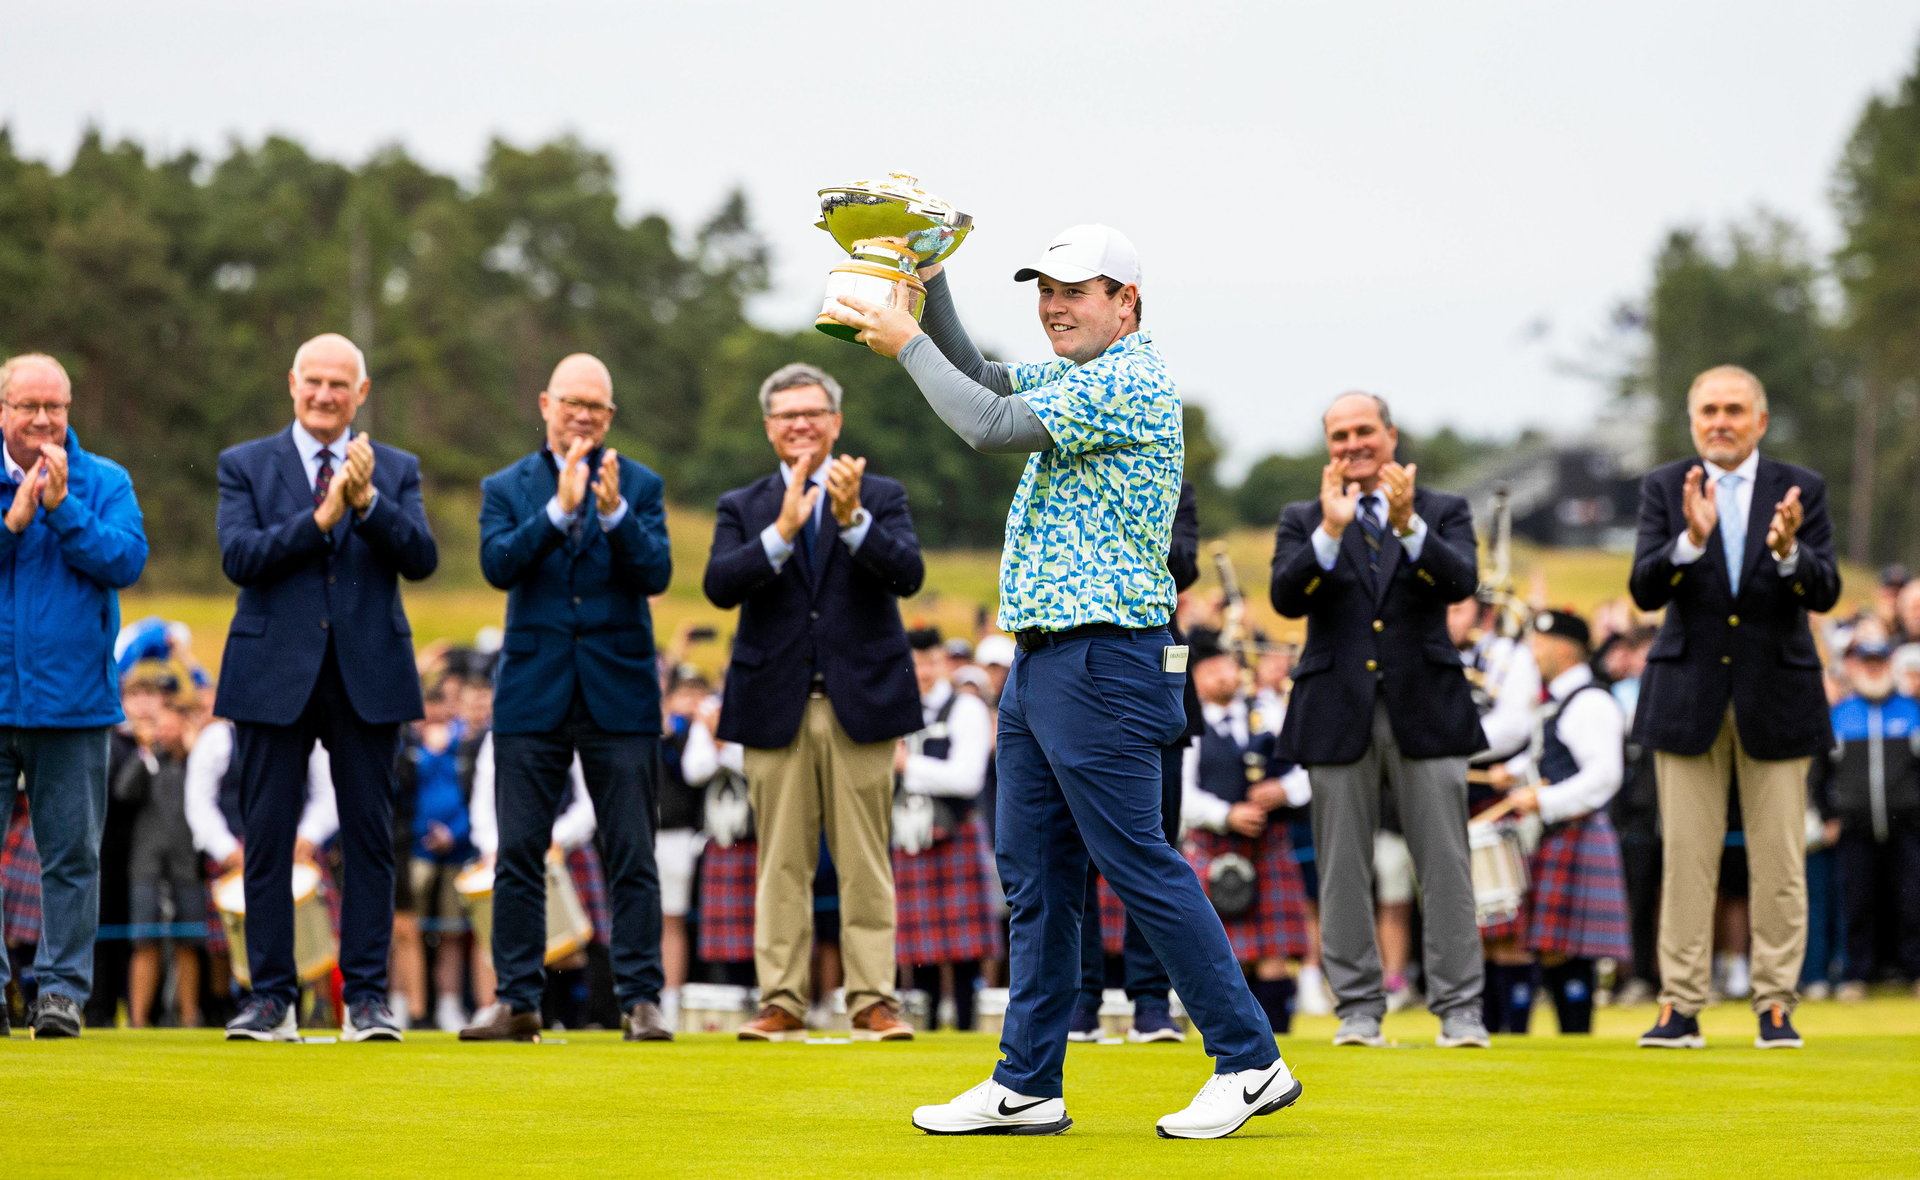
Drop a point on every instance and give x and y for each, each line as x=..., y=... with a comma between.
x=889, y=228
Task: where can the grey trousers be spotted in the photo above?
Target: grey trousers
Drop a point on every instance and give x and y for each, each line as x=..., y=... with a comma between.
x=1432, y=798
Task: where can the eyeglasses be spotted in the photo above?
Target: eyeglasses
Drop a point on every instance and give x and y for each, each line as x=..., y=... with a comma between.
x=580, y=405
x=788, y=417
x=35, y=409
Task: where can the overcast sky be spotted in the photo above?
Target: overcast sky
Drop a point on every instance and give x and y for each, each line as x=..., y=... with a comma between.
x=1398, y=197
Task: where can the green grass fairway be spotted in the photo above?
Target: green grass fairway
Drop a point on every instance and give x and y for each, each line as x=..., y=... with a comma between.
x=126, y=1103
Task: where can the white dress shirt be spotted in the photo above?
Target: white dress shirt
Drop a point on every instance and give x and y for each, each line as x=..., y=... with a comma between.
x=1595, y=733
x=572, y=828
x=310, y=448
x=1326, y=548
x=207, y=764
x=1514, y=679
x=963, y=772
x=779, y=548
x=1685, y=552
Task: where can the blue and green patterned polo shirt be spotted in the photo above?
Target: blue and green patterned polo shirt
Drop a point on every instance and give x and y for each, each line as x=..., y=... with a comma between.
x=1088, y=530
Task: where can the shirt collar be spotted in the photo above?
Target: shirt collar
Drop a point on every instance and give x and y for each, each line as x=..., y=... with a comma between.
x=1571, y=681
x=1131, y=342
x=936, y=697
x=1215, y=714
x=1748, y=469
x=310, y=446
x=15, y=472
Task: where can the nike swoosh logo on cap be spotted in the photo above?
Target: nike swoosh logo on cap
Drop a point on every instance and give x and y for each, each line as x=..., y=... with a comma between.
x=1006, y=1110
x=1254, y=1096
x=1057, y=245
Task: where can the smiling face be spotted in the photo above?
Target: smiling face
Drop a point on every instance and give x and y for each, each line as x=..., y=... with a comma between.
x=577, y=403
x=1357, y=432
x=1081, y=319
x=327, y=386
x=801, y=420
x=1729, y=416
x=34, y=412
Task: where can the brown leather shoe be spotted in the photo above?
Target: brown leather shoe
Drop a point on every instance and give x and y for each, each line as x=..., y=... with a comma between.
x=774, y=1024
x=879, y=1021
x=645, y=1023
x=499, y=1022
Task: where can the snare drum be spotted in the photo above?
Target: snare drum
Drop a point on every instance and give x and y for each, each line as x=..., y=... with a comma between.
x=315, y=950
x=1499, y=872
x=569, y=927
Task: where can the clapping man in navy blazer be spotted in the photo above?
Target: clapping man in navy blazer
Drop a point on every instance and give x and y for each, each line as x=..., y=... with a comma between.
x=1381, y=701
x=816, y=556
x=1737, y=548
x=576, y=534
x=317, y=525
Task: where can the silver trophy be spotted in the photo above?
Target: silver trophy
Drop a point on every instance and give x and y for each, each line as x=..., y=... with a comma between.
x=891, y=228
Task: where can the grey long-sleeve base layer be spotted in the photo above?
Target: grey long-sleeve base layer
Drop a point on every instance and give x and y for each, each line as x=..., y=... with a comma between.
x=972, y=394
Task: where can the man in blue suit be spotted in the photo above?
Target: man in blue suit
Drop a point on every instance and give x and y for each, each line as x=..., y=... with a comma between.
x=317, y=525
x=821, y=687
x=577, y=536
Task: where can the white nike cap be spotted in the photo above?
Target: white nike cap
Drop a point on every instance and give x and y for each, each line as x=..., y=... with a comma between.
x=1083, y=252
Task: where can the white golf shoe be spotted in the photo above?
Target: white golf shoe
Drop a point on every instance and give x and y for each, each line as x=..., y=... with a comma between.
x=992, y=1109
x=1228, y=1100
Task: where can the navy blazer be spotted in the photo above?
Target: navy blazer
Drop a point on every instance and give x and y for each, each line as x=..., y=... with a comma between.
x=841, y=618
x=1753, y=650
x=577, y=615
x=1381, y=633
x=300, y=586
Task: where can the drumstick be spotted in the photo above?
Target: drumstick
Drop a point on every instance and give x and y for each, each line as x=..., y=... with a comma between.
x=1496, y=811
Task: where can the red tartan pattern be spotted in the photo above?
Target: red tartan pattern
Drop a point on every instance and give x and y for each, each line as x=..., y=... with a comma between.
x=725, y=901
x=943, y=901
x=1577, y=900
x=1276, y=927
x=591, y=883
x=20, y=878
x=1113, y=920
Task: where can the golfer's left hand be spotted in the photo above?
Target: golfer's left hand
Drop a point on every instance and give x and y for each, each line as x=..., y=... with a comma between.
x=886, y=330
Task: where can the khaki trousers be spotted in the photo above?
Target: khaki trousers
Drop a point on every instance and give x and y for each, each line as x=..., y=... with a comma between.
x=1693, y=816
x=823, y=779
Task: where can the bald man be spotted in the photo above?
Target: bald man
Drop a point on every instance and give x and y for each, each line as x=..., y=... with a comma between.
x=576, y=534
x=318, y=524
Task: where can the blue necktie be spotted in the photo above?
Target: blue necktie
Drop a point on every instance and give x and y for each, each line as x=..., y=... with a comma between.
x=809, y=535
x=1375, y=533
x=1733, y=526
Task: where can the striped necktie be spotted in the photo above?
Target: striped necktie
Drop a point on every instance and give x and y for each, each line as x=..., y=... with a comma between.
x=323, y=479
x=1373, y=530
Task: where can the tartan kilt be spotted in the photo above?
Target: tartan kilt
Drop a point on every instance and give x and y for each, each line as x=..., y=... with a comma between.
x=590, y=882
x=1577, y=903
x=727, y=879
x=1276, y=926
x=20, y=878
x=943, y=900
x=1113, y=920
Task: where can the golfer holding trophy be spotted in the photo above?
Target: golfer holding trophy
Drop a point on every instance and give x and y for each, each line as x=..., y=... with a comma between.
x=1097, y=687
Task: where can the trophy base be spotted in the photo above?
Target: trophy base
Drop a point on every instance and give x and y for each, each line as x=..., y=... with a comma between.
x=836, y=329
x=868, y=283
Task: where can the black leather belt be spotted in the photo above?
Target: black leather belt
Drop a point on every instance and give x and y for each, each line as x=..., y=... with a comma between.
x=1035, y=639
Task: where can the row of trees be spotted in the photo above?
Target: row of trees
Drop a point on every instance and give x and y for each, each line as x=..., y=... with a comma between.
x=1836, y=340
x=176, y=288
